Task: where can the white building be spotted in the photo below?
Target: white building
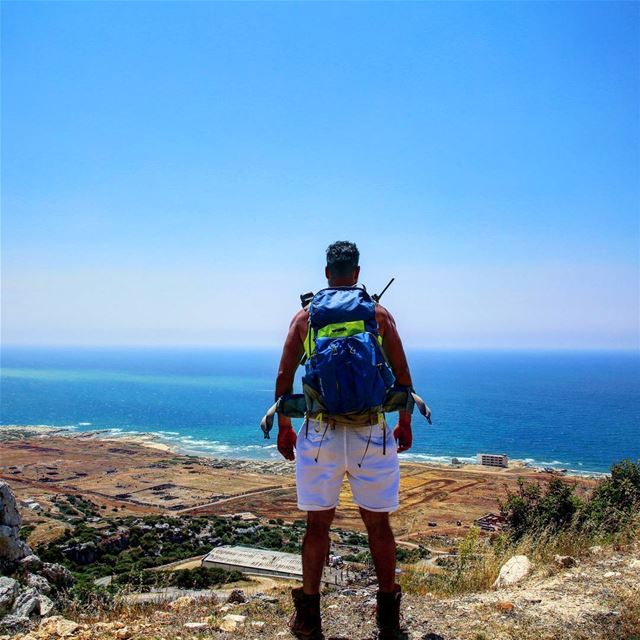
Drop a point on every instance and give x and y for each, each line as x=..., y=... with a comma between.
x=259, y=562
x=264, y=562
x=493, y=459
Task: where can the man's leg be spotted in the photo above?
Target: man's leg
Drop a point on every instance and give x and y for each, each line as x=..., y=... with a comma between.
x=306, y=623
x=315, y=547
x=383, y=551
x=383, y=547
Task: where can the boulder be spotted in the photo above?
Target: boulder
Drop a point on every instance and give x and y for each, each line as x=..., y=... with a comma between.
x=14, y=624
x=12, y=549
x=564, y=562
x=237, y=596
x=57, y=626
x=182, y=603
x=82, y=553
x=31, y=563
x=46, y=606
x=231, y=622
x=513, y=571
x=195, y=626
x=263, y=598
x=56, y=574
x=31, y=603
x=9, y=514
x=26, y=604
x=38, y=582
x=8, y=593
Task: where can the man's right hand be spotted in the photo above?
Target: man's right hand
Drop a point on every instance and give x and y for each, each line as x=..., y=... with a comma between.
x=403, y=435
x=287, y=442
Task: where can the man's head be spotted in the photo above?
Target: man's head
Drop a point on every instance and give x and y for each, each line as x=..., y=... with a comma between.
x=342, y=263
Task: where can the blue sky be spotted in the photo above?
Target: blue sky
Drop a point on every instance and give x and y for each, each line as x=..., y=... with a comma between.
x=172, y=172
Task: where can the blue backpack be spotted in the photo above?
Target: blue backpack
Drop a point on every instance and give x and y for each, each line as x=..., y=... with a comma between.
x=345, y=363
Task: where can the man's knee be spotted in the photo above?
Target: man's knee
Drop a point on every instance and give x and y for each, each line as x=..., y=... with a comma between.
x=375, y=521
x=319, y=522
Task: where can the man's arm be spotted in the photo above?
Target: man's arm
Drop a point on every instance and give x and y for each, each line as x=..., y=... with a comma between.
x=291, y=355
x=394, y=351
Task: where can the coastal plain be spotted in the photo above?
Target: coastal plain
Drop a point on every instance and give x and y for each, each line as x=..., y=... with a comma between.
x=133, y=476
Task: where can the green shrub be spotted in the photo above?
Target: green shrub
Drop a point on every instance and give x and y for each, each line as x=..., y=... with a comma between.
x=615, y=501
x=411, y=556
x=199, y=578
x=531, y=510
x=25, y=531
x=611, y=508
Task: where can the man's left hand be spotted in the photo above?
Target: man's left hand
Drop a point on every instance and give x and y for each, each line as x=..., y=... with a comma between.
x=404, y=437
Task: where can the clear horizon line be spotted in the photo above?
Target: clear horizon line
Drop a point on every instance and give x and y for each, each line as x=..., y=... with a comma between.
x=271, y=347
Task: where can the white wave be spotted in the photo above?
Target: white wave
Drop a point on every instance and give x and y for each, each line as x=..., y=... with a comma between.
x=84, y=424
x=55, y=427
x=207, y=447
x=425, y=457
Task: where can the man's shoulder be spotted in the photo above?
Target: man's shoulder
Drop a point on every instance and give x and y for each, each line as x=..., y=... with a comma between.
x=382, y=315
x=302, y=315
x=299, y=322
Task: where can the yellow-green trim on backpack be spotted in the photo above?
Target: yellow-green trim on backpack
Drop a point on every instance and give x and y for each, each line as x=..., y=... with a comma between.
x=335, y=330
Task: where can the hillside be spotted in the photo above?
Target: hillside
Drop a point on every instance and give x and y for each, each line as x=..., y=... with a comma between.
x=598, y=599
x=90, y=550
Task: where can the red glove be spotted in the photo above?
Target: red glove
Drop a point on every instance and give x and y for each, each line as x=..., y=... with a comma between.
x=287, y=442
x=404, y=437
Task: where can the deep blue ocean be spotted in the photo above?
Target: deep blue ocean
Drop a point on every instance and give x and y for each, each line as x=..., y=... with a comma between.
x=564, y=409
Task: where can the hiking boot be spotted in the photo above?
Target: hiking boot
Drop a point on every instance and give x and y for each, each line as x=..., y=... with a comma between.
x=305, y=623
x=388, y=615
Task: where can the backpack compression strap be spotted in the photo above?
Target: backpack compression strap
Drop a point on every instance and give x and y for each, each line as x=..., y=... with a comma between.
x=294, y=405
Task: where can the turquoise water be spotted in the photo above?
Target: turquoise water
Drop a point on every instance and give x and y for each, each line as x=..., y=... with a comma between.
x=575, y=410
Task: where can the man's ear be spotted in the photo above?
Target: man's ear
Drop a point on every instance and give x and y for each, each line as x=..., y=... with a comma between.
x=356, y=274
x=327, y=273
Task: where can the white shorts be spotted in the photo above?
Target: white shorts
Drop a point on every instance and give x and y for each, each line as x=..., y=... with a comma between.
x=321, y=463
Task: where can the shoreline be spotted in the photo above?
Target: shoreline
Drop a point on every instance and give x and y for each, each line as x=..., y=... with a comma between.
x=180, y=446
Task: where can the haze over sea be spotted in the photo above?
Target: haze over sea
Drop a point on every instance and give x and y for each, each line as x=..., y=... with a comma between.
x=575, y=410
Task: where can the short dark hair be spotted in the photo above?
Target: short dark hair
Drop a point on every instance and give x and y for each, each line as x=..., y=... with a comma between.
x=342, y=258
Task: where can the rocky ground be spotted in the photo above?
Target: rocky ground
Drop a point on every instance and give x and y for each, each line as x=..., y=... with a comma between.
x=598, y=598
x=26, y=592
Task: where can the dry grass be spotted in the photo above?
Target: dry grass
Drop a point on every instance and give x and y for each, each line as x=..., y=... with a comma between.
x=479, y=559
x=627, y=625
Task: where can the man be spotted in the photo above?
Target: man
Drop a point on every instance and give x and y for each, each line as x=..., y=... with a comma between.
x=355, y=443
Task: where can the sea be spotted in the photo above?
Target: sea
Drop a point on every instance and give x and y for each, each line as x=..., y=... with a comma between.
x=578, y=411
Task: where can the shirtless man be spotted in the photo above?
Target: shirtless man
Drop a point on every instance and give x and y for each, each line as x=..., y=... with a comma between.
x=355, y=446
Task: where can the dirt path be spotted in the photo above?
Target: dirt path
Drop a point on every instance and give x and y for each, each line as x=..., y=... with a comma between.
x=248, y=494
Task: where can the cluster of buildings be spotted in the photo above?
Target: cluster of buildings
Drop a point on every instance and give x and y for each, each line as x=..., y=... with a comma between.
x=491, y=522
